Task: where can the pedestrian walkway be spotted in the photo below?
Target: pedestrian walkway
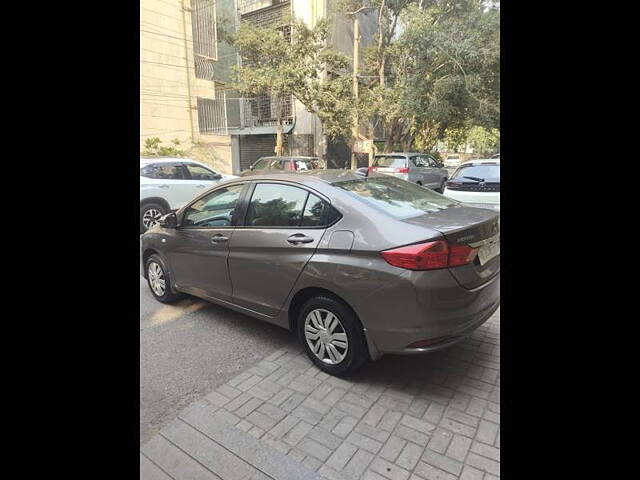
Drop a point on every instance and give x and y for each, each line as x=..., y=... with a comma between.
x=424, y=417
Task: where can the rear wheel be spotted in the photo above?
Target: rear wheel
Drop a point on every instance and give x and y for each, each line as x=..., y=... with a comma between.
x=332, y=336
x=442, y=186
x=150, y=213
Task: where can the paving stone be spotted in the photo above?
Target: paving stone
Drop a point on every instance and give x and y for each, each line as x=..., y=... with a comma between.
x=492, y=417
x=245, y=426
x=470, y=473
x=150, y=471
x=325, y=438
x=389, y=421
x=459, y=448
x=225, y=416
x=261, y=420
x=217, y=399
x=228, y=391
x=410, y=456
x=417, y=424
x=248, y=383
x=359, y=400
x=272, y=411
x=372, y=432
x=311, y=463
x=374, y=415
x=292, y=402
x=487, y=432
x=371, y=475
x=297, y=433
x=439, y=441
x=332, y=419
x=331, y=474
x=281, y=396
x=389, y=470
x=429, y=472
x=391, y=450
x=462, y=417
x=168, y=461
x=308, y=415
x=248, y=407
x=351, y=409
x=418, y=407
x=313, y=448
x=283, y=427
x=443, y=463
x=237, y=402
x=344, y=426
x=358, y=464
x=457, y=427
x=366, y=443
x=334, y=396
x=321, y=391
x=238, y=379
x=492, y=453
x=434, y=413
x=256, y=432
x=341, y=456
x=477, y=407
x=412, y=435
x=316, y=405
x=484, y=464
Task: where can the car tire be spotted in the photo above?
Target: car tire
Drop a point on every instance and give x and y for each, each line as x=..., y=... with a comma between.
x=419, y=183
x=353, y=356
x=156, y=269
x=442, y=187
x=147, y=210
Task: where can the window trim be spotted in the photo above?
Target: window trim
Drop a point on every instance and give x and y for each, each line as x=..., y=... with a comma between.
x=186, y=167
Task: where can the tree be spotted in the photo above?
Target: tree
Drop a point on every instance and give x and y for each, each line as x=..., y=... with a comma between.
x=302, y=66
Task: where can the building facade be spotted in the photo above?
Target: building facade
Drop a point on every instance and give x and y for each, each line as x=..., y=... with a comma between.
x=185, y=80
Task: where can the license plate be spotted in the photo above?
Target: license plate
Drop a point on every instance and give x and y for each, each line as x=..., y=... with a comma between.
x=488, y=251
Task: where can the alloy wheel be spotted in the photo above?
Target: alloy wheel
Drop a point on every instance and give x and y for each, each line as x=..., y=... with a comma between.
x=326, y=336
x=156, y=279
x=151, y=217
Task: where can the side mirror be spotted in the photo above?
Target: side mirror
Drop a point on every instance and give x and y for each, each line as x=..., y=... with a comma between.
x=170, y=220
x=217, y=176
x=251, y=167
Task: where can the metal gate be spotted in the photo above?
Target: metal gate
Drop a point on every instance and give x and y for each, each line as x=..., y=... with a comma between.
x=252, y=147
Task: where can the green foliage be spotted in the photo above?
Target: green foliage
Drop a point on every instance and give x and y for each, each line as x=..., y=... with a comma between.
x=303, y=67
x=484, y=141
x=153, y=147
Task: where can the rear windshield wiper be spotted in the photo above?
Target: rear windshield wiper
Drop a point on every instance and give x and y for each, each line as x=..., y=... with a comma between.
x=477, y=179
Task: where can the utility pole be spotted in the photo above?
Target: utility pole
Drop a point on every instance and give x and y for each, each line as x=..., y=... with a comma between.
x=356, y=67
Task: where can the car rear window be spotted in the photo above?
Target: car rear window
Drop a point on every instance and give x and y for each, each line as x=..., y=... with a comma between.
x=390, y=161
x=485, y=172
x=396, y=197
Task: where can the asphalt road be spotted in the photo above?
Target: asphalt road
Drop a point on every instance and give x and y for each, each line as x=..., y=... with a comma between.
x=190, y=348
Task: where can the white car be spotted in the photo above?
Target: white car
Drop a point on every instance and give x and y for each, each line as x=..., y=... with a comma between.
x=476, y=183
x=168, y=183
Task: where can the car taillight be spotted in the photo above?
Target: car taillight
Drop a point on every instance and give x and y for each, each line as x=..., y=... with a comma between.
x=430, y=255
x=373, y=169
x=402, y=170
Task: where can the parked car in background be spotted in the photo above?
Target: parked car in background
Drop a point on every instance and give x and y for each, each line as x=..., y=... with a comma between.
x=452, y=161
x=419, y=168
x=168, y=183
x=290, y=164
x=476, y=183
x=334, y=256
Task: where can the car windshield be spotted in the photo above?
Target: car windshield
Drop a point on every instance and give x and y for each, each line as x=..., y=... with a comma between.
x=396, y=197
x=390, y=161
x=486, y=172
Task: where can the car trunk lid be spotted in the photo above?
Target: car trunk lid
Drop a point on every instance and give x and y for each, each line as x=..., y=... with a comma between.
x=475, y=227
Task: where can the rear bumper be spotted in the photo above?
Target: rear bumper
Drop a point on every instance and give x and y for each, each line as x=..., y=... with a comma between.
x=443, y=312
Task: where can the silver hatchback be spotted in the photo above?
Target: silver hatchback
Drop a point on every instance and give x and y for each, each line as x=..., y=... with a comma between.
x=418, y=168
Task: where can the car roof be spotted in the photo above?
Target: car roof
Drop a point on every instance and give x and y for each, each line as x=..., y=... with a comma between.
x=485, y=161
x=308, y=176
x=148, y=160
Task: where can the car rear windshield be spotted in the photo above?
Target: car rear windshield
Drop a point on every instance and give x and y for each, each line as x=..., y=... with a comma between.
x=485, y=172
x=396, y=197
x=391, y=162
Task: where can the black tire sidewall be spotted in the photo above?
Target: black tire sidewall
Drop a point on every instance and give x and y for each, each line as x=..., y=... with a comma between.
x=168, y=296
x=357, y=352
x=147, y=206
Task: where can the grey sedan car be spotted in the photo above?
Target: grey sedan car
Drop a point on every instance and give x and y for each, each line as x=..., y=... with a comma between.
x=358, y=265
x=418, y=168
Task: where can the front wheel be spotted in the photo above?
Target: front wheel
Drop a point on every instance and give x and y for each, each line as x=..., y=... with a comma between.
x=332, y=336
x=150, y=213
x=159, y=281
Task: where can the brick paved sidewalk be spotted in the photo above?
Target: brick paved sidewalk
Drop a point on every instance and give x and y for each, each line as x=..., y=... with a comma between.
x=400, y=418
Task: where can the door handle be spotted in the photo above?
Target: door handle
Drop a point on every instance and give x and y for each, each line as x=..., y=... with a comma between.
x=199, y=186
x=219, y=238
x=299, y=238
x=164, y=185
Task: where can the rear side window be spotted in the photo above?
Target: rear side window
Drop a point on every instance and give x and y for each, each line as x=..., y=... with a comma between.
x=475, y=172
x=390, y=161
x=318, y=213
x=396, y=197
x=423, y=161
x=261, y=164
x=163, y=171
x=198, y=172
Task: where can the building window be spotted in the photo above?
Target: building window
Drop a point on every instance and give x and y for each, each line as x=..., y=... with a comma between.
x=212, y=116
x=205, y=41
x=247, y=6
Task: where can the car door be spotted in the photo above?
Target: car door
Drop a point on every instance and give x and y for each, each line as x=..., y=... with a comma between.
x=428, y=172
x=200, y=247
x=274, y=243
x=200, y=178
